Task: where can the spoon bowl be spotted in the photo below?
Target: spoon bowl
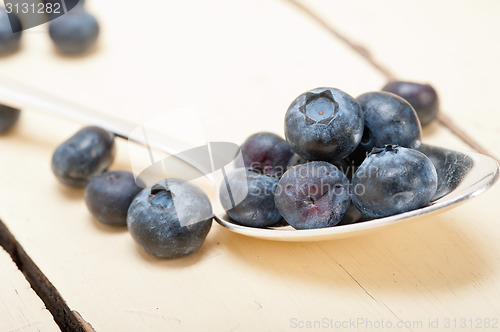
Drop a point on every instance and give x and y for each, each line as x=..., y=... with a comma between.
x=461, y=175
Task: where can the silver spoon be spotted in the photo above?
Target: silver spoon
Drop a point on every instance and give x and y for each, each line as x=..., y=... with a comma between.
x=21, y=96
x=461, y=174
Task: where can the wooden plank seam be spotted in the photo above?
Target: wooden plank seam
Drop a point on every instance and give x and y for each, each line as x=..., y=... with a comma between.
x=65, y=318
x=387, y=73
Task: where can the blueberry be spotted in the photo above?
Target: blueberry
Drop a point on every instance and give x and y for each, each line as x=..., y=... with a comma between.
x=267, y=152
x=170, y=219
x=296, y=160
x=255, y=208
x=393, y=180
x=422, y=97
x=324, y=124
x=352, y=216
x=108, y=196
x=389, y=119
x=54, y=9
x=345, y=165
x=74, y=32
x=87, y=153
x=356, y=157
x=8, y=117
x=9, y=41
x=69, y=4
x=313, y=195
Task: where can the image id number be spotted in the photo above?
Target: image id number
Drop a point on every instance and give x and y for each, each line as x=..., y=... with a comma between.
x=33, y=8
x=471, y=323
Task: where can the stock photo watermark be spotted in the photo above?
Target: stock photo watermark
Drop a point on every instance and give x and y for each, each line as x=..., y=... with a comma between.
x=164, y=152
x=160, y=152
x=364, y=323
x=36, y=12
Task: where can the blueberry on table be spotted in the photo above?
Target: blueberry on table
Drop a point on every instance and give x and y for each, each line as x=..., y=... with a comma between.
x=69, y=4
x=108, y=196
x=423, y=98
x=267, y=152
x=8, y=117
x=170, y=219
x=74, y=32
x=87, y=153
x=389, y=119
x=248, y=198
x=324, y=124
x=9, y=41
x=313, y=195
x=393, y=180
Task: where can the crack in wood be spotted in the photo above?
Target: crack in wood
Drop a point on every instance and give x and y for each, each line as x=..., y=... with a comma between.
x=360, y=285
x=366, y=55
x=64, y=317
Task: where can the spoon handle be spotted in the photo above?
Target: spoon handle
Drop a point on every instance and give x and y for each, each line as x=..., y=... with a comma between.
x=18, y=95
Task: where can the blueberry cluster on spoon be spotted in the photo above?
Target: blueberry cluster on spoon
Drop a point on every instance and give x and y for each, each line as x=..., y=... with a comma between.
x=347, y=152
x=342, y=156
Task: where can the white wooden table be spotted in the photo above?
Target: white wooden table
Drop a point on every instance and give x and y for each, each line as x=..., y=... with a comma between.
x=20, y=308
x=242, y=63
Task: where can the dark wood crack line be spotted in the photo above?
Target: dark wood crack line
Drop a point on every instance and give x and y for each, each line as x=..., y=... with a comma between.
x=54, y=302
x=365, y=54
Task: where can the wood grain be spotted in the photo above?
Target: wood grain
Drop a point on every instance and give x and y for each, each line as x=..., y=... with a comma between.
x=20, y=308
x=326, y=24
x=446, y=44
x=242, y=70
x=61, y=314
